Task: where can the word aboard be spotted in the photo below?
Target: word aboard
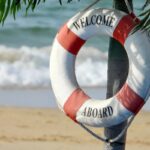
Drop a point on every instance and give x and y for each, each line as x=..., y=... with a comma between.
x=98, y=113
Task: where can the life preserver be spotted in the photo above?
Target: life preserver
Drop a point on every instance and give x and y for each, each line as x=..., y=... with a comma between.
x=70, y=97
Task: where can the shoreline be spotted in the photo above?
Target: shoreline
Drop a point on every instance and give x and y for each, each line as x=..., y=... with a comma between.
x=44, y=97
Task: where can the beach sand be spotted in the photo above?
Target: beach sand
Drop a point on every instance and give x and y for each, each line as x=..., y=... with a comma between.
x=50, y=129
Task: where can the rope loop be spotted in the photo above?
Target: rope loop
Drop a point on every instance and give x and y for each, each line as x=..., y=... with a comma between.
x=106, y=140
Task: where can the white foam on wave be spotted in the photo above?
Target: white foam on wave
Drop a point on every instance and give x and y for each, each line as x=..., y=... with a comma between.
x=91, y=67
x=23, y=67
x=29, y=67
x=92, y=73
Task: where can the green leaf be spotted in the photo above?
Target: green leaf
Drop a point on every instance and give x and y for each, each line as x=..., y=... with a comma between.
x=29, y=5
x=34, y=4
x=13, y=8
x=2, y=9
x=146, y=4
x=7, y=11
x=144, y=13
x=25, y=2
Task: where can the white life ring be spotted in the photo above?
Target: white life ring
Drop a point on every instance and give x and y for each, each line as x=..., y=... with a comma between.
x=70, y=97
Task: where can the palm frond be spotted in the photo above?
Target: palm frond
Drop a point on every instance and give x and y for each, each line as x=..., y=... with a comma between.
x=146, y=4
x=13, y=6
x=68, y=1
x=144, y=24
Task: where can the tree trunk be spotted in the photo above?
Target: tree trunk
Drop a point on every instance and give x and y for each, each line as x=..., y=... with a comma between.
x=117, y=74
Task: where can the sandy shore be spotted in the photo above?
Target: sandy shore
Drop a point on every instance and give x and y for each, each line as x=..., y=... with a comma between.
x=49, y=129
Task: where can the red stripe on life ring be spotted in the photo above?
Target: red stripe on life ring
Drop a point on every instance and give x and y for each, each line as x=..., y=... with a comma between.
x=130, y=100
x=69, y=40
x=124, y=27
x=74, y=102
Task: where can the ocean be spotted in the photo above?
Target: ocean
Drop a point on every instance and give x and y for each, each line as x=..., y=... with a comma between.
x=25, y=47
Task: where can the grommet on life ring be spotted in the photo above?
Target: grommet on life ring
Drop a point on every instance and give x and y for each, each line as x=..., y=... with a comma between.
x=70, y=97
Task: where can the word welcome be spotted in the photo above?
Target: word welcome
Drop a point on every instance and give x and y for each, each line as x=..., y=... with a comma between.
x=98, y=113
x=94, y=20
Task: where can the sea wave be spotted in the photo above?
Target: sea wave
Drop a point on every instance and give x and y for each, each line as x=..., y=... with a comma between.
x=29, y=67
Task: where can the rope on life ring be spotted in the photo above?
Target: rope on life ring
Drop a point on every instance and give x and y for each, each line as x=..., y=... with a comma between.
x=70, y=97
